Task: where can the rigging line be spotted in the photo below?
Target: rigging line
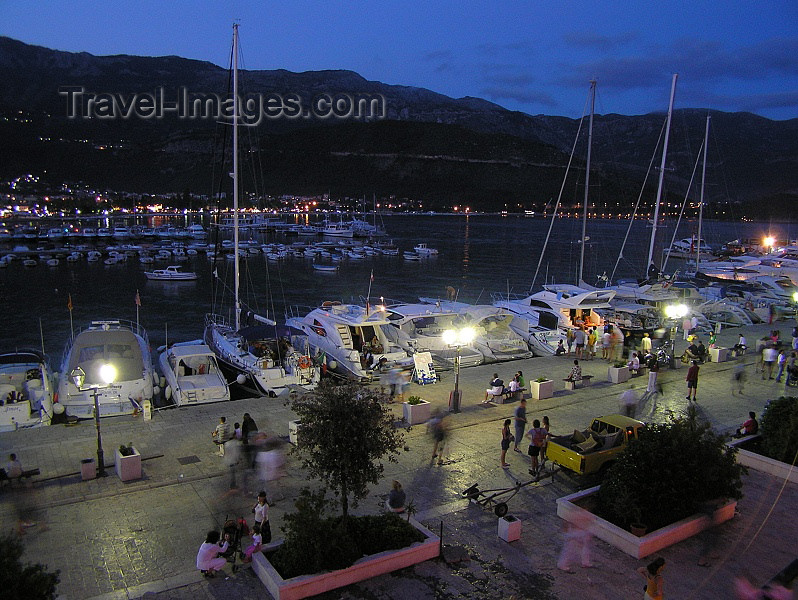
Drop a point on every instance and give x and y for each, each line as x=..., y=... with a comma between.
x=559, y=196
x=684, y=203
x=775, y=502
x=637, y=205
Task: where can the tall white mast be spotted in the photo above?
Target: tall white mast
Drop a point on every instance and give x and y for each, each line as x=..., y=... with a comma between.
x=235, y=176
x=701, y=199
x=661, y=175
x=587, y=179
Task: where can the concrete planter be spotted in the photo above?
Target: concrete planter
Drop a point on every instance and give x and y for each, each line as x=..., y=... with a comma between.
x=570, y=509
x=509, y=528
x=762, y=463
x=367, y=567
x=128, y=468
x=541, y=390
x=719, y=354
x=618, y=374
x=416, y=413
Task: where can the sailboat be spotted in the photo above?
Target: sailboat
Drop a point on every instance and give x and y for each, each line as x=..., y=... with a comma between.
x=265, y=359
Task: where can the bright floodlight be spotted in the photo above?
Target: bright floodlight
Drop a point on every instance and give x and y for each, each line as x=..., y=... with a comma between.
x=467, y=335
x=449, y=337
x=108, y=373
x=795, y=297
x=769, y=241
x=675, y=311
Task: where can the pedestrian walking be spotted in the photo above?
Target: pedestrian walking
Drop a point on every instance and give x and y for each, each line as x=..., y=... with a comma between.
x=248, y=428
x=781, y=361
x=692, y=381
x=579, y=341
x=537, y=437
x=569, y=339
x=520, y=423
x=436, y=426
x=576, y=543
x=654, y=582
x=591, y=344
x=738, y=379
x=769, y=356
x=653, y=372
x=507, y=437
x=628, y=401
x=222, y=434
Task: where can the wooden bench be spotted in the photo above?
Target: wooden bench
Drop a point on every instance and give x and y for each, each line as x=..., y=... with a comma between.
x=572, y=385
x=510, y=396
x=26, y=474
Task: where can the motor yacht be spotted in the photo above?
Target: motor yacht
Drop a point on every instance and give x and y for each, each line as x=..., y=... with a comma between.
x=192, y=375
x=123, y=345
x=26, y=390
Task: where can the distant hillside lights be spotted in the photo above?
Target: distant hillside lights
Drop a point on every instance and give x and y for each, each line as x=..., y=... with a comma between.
x=252, y=108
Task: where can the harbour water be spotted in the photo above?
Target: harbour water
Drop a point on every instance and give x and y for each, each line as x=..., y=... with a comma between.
x=477, y=255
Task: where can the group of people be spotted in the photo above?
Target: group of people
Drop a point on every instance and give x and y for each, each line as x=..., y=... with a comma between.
x=497, y=387
x=538, y=438
x=582, y=342
x=244, y=448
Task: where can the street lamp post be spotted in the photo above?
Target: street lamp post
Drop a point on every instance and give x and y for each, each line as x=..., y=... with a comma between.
x=457, y=339
x=108, y=375
x=674, y=312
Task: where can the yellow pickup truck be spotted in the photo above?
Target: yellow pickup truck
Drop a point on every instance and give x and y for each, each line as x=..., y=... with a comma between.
x=588, y=451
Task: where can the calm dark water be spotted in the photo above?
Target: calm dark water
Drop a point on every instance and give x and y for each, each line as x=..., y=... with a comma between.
x=478, y=255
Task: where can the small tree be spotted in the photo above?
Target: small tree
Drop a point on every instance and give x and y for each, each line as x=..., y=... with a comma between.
x=668, y=474
x=346, y=432
x=23, y=582
x=779, y=429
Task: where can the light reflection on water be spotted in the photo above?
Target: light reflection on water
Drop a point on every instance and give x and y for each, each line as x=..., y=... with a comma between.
x=478, y=255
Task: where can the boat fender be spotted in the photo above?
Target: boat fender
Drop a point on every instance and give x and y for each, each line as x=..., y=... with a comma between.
x=241, y=379
x=332, y=364
x=155, y=378
x=162, y=381
x=58, y=409
x=168, y=392
x=156, y=390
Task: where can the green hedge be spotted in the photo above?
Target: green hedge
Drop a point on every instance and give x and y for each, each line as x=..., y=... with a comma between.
x=779, y=429
x=668, y=474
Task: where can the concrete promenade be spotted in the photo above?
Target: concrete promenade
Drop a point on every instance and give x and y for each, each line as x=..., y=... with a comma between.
x=119, y=540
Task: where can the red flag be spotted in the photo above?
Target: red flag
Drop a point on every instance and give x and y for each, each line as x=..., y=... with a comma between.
x=69, y=302
x=138, y=299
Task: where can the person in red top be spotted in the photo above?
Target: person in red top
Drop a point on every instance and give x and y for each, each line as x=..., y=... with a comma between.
x=692, y=381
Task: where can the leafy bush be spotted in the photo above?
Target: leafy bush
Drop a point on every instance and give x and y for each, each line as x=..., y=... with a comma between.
x=315, y=543
x=126, y=450
x=541, y=379
x=413, y=400
x=18, y=581
x=619, y=364
x=668, y=474
x=779, y=429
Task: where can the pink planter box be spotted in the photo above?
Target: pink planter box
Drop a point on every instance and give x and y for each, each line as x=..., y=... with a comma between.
x=305, y=586
x=639, y=547
x=128, y=468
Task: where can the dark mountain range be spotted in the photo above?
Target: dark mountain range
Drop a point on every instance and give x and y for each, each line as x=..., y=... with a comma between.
x=428, y=146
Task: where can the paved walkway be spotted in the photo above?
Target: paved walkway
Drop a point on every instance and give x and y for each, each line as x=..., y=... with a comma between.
x=128, y=540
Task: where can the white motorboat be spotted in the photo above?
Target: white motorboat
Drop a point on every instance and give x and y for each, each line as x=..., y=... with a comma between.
x=424, y=251
x=262, y=359
x=727, y=314
x=123, y=345
x=542, y=318
x=171, y=273
x=494, y=336
x=192, y=374
x=339, y=332
x=26, y=390
x=420, y=327
x=197, y=231
x=687, y=247
x=339, y=229
x=324, y=268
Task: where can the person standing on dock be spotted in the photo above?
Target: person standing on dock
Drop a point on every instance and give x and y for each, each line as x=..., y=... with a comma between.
x=222, y=434
x=692, y=381
x=520, y=422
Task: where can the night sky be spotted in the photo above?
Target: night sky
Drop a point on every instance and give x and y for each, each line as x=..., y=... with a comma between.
x=532, y=56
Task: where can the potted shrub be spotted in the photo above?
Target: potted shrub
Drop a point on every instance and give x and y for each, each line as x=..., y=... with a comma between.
x=416, y=410
x=347, y=432
x=127, y=463
x=618, y=372
x=541, y=388
x=666, y=481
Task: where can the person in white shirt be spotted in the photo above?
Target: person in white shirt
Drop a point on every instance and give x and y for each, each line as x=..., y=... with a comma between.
x=769, y=355
x=634, y=362
x=208, y=559
x=628, y=401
